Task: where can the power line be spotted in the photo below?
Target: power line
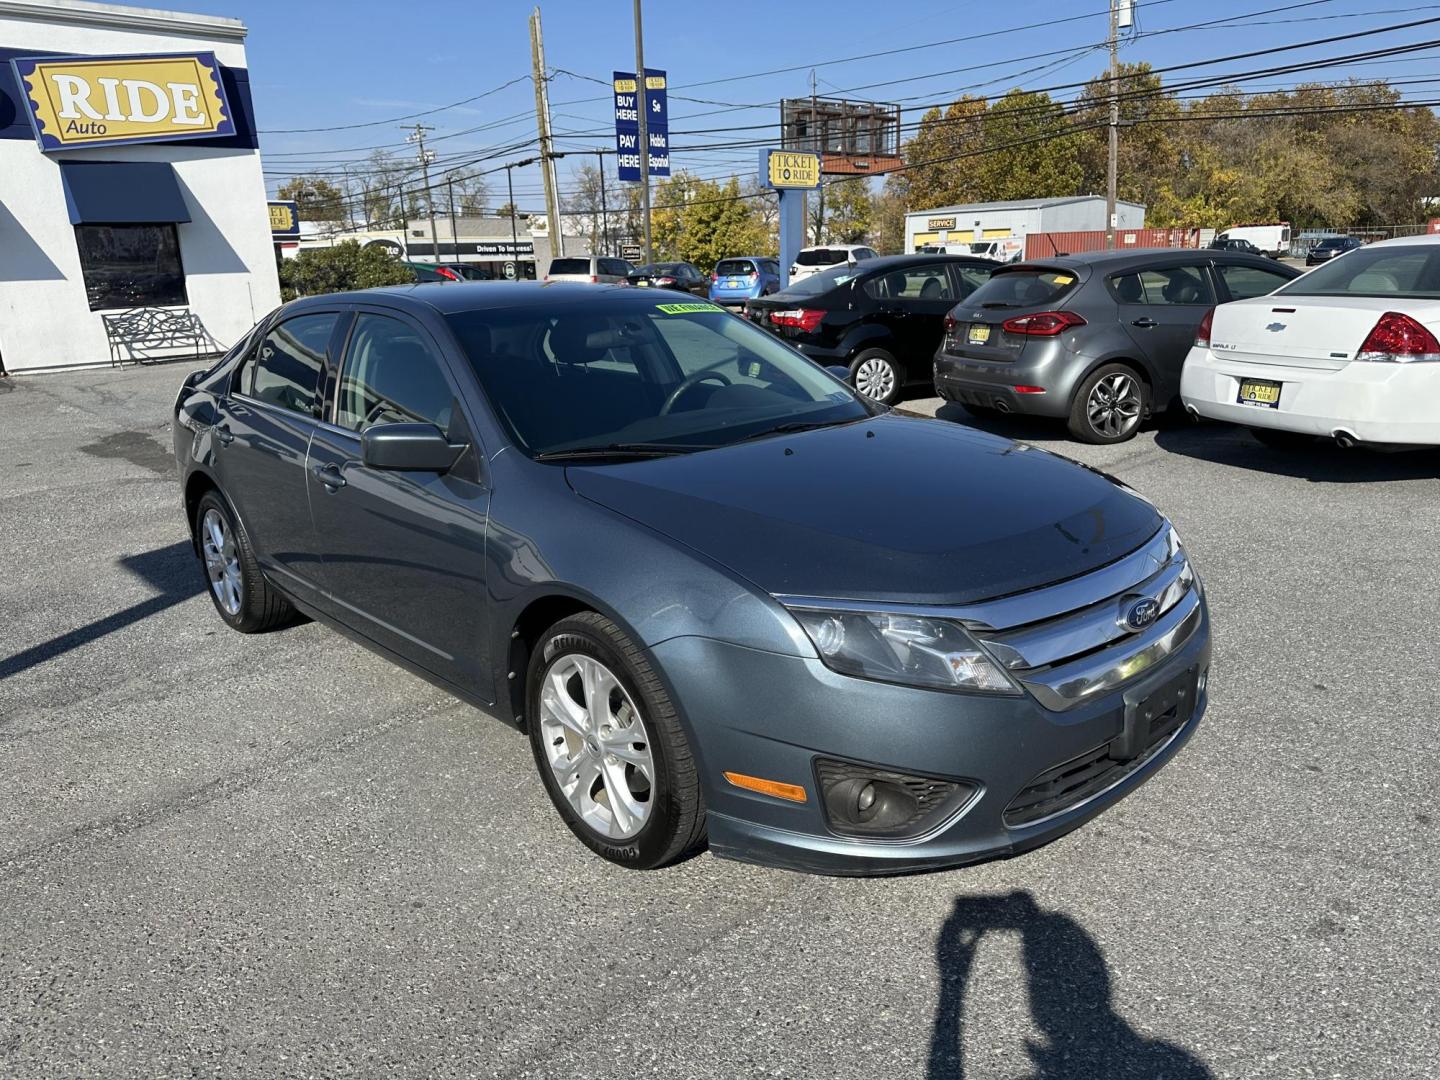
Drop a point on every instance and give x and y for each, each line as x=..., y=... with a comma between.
x=395, y=119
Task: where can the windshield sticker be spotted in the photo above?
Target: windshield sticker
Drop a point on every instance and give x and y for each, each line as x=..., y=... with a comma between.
x=685, y=309
x=1063, y=279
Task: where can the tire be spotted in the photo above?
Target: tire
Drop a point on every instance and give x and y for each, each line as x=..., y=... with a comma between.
x=1110, y=405
x=870, y=368
x=237, y=588
x=1282, y=440
x=659, y=816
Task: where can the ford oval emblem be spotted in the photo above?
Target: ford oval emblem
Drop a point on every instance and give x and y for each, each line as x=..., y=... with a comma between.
x=1142, y=613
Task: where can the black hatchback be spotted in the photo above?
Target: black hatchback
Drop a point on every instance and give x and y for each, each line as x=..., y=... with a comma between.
x=881, y=320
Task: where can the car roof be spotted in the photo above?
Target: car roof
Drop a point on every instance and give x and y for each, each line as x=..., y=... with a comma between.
x=1422, y=238
x=1111, y=261
x=451, y=297
x=900, y=262
x=833, y=247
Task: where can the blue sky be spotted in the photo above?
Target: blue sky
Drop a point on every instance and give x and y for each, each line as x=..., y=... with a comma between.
x=320, y=64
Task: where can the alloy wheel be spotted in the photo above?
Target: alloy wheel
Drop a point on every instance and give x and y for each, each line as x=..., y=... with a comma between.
x=875, y=378
x=222, y=562
x=597, y=746
x=1114, y=404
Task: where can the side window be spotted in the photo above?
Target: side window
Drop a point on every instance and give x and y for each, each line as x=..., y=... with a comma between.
x=392, y=376
x=614, y=267
x=1247, y=281
x=914, y=283
x=861, y=254
x=971, y=278
x=1173, y=285
x=285, y=369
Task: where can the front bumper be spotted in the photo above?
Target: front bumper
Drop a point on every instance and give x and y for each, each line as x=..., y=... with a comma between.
x=1386, y=404
x=772, y=716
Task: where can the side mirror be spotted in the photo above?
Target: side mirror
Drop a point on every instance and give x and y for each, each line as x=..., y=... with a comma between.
x=408, y=448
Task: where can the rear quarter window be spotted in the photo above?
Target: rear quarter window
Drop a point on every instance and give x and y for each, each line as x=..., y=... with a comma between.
x=1025, y=288
x=570, y=266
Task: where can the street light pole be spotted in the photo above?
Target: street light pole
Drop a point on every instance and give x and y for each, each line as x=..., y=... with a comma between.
x=640, y=110
x=454, y=230
x=1113, y=152
x=514, y=234
x=418, y=136
x=604, y=211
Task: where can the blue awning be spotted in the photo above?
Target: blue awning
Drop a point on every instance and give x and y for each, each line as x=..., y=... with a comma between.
x=122, y=192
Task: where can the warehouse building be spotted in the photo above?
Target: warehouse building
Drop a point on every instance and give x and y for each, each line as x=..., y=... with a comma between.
x=1015, y=220
x=132, y=206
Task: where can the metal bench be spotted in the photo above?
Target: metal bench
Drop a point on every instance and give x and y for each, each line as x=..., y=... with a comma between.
x=144, y=335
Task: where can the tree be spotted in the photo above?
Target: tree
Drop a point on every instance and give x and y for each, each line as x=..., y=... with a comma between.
x=848, y=209
x=887, y=215
x=508, y=210
x=341, y=268
x=592, y=204
x=471, y=194
x=318, y=199
x=384, y=191
x=1030, y=150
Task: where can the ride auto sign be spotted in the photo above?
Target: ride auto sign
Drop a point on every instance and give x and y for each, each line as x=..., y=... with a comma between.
x=117, y=100
x=627, y=124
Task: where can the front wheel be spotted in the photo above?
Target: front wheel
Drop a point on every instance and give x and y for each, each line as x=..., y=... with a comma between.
x=1109, y=405
x=239, y=591
x=609, y=746
x=874, y=373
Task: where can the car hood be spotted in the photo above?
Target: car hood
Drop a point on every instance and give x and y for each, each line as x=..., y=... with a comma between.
x=891, y=509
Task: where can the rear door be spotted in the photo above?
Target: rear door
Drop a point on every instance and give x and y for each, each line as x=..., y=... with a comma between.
x=403, y=552
x=912, y=304
x=268, y=419
x=1160, y=307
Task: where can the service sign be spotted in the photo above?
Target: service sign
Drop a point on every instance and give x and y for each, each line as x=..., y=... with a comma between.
x=284, y=219
x=790, y=169
x=117, y=100
x=940, y=223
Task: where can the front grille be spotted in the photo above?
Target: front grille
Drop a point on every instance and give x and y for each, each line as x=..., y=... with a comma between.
x=1069, y=784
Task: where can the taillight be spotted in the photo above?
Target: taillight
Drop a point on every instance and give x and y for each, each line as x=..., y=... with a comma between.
x=714, y=278
x=753, y=274
x=806, y=319
x=447, y=273
x=1202, y=332
x=1399, y=339
x=1043, y=323
x=949, y=323
x=664, y=281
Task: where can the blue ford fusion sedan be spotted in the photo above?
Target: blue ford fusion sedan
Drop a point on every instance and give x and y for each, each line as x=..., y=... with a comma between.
x=726, y=599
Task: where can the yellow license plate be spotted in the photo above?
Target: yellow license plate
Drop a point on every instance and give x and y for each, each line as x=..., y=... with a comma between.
x=979, y=334
x=1259, y=392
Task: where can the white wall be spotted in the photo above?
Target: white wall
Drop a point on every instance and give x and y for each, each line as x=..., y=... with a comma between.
x=226, y=249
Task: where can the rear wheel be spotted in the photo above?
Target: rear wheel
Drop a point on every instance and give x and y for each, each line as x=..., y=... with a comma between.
x=875, y=374
x=609, y=745
x=239, y=591
x=1282, y=440
x=1109, y=405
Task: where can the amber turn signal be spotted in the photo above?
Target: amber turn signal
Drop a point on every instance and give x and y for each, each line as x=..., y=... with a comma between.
x=789, y=792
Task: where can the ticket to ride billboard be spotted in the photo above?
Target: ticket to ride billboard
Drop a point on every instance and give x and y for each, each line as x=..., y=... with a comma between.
x=118, y=100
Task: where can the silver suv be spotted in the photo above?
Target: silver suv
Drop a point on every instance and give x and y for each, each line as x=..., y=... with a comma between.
x=594, y=269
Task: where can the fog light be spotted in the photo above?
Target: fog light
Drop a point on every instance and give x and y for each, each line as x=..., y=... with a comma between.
x=862, y=800
x=866, y=798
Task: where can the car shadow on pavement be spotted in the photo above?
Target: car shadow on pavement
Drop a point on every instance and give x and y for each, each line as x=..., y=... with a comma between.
x=170, y=570
x=1069, y=995
x=1320, y=461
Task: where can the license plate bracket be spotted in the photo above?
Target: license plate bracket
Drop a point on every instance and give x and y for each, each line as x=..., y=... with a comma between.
x=1259, y=393
x=978, y=334
x=1154, y=709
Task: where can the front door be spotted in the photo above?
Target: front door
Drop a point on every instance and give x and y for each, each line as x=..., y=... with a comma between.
x=403, y=551
x=1161, y=309
x=267, y=420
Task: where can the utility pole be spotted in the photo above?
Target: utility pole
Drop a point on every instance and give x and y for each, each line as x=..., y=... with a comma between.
x=814, y=128
x=1113, y=153
x=454, y=229
x=604, y=210
x=425, y=157
x=641, y=111
x=542, y=120
x=514, y=230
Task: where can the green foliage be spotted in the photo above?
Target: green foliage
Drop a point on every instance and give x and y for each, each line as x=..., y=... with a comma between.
x=1210, y=162
x=341, y=268
x=701, y=221
x=848, y=211
x=317, y=198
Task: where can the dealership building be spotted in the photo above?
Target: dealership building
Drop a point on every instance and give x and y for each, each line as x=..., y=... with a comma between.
x=1016, y=219
x=132, y=204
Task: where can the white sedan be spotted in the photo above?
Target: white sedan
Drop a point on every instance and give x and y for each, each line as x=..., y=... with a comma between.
x=1347, y=351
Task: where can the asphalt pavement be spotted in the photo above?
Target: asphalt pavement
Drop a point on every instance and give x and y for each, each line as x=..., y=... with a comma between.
x=280, y=856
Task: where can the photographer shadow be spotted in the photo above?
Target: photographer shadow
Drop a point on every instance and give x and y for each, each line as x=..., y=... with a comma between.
x=1069, y=995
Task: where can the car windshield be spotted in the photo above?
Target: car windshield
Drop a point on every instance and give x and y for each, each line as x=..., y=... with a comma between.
x=734, y=268
x=1337, y=242
x=1411, y=270
x=570, y=266
x=1025, y=287
x=626, y=373
x=821, y=257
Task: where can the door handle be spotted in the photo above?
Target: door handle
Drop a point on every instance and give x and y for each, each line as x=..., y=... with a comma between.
x=1145, y=323
x=329, y=475
x=224, y=436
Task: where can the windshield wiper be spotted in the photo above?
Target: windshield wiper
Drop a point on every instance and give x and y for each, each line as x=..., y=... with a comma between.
x=792, y=426
x=622, y=450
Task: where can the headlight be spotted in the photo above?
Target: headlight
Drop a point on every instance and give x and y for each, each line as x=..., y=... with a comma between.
x=899, y=648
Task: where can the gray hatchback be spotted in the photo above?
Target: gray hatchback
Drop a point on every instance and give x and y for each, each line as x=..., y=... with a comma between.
x=1096, y=339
